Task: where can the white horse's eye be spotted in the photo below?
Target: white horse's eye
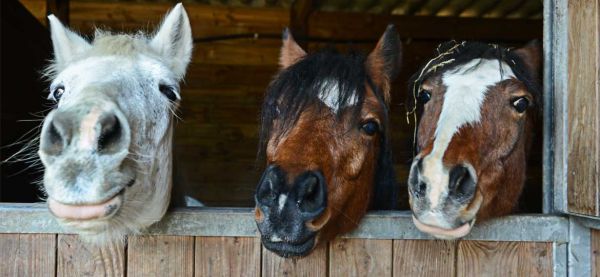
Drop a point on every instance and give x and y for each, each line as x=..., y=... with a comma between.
x=58, y=92
x=168, y=91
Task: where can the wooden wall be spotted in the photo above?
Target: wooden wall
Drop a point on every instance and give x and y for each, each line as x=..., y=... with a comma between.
x=215, y=143
x=65, y=255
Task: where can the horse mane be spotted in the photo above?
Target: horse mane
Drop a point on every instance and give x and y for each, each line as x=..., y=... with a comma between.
x=298, y=87
x=451, y=54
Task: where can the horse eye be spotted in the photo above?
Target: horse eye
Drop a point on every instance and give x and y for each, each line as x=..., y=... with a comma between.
x=520, y=104
x=424, y=96
x=370, y=127
x=168, y=91
x=58, y=93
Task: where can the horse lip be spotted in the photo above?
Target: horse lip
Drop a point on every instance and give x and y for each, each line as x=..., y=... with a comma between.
x=291, y=249
x=89, y=211
x=443, y=233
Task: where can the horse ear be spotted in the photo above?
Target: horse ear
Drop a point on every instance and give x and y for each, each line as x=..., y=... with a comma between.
x=291, y=52
x=66, y=43
x=531, y=54
x=383, y=63
x=174, y=41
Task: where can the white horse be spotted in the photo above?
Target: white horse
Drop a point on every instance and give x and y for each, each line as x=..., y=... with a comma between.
x=106, y=148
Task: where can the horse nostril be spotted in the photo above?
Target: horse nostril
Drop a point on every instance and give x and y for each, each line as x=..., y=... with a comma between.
x=422, y=188
x=55, y=135
x=269, y=187
x=110, y=133
x=311, y=194
x=462, y=184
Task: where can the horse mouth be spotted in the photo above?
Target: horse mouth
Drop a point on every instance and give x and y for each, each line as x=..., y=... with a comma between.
x=83, y=212
x=291, y=249
x=442, y=233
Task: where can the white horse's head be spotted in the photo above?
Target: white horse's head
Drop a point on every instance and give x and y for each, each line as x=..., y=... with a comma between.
x=106, y=148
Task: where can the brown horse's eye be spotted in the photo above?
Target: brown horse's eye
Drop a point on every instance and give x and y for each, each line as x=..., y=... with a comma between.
x=370, y=127
x=58, y=92
x=424, y=96
x=168, y=91
x=520, y=104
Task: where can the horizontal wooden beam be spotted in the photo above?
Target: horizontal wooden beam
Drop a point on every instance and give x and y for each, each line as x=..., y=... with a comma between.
x=239, y=222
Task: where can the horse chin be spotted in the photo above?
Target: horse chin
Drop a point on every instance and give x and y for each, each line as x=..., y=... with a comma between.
x=443, y=233
x=291, y=249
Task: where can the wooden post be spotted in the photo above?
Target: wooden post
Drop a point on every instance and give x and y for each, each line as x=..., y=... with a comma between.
x=299, y=13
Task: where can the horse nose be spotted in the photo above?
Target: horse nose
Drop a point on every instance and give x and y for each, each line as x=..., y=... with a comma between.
x=462, y=184
x=416, y=185
x=104, y=131
x=311, y=194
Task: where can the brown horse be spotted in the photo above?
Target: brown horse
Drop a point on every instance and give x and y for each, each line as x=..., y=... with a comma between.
x=478, y=105
x=325, y=140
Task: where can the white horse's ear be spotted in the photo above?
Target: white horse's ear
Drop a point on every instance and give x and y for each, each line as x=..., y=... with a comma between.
x=174, y=41
x=67, y=44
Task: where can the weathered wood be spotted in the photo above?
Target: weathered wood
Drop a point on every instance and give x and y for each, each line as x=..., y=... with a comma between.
x=160, y=256
x=27, y=255
x=424, y=258
x=583, y=114
x=314, y=264
x=227, y=256
x=37, y=8
x=360, y=257
x=501, y=258
x=595, y=255
x=299, y=20
x=76, y=258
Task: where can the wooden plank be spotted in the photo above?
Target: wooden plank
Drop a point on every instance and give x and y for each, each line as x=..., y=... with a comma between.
x=227, y=256
x=424, y=258
x=595, y=255
x=160, y=256
x=299, y=20
x=37, y=8
x=314, y=264
x=494, y=258
x=28, y=255
x=583, y=150
x=360, y=257
x=76, y=258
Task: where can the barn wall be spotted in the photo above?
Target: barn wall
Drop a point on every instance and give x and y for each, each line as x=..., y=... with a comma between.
x=216, y=140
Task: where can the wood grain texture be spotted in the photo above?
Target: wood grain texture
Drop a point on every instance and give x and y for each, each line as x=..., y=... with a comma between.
x=314, y=264
x=584, y=116
x=424, y=258
x=76, y=258
x=27, y=255
x=595, y=255
x=360, y=257
x=227, y=256
x=492, y=258
x=160, y=256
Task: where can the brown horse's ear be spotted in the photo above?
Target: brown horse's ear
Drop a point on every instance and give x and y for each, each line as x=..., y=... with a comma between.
x=531, y=54
x=383, y=63
x=291, y=52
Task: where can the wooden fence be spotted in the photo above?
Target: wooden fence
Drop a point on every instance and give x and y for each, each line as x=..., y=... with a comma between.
x=224, y=242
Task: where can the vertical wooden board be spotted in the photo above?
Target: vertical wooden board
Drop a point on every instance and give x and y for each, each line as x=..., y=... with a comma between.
x=27, y=255
x=503, y=258
x=583, y=151
x=424, y=258
x=160, y=256
x=227, y=256
x=595, y=255
x=360, y=257
x=76, y=258
x=313, y=265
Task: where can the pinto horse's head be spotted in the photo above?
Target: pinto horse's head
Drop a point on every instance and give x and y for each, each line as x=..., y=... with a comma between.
x=478, y=104
x=325, y=139
x=106, y=146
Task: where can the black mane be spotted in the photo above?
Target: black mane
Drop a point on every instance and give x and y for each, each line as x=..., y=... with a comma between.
x=451, y=54
x=297, y=88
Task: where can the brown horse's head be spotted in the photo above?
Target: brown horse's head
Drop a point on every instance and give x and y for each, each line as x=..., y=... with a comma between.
x=324, y=137
x=477, y=104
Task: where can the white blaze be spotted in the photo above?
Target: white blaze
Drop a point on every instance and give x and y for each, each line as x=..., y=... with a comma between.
x=466, y=89
x=330, y=94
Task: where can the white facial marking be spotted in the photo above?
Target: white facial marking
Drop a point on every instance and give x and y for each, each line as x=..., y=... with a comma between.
x=87, y=129
x=466, y=88
x=275, y=238
x=281, y=201
x=329, y=95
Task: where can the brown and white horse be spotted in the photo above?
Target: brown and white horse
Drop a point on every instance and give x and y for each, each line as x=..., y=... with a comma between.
x=478, y=104
x=325, y=138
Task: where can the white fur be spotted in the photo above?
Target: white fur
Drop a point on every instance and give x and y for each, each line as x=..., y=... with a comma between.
x=118, y=73
x=281, y=201
x=466, y=88
x=329, y=95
